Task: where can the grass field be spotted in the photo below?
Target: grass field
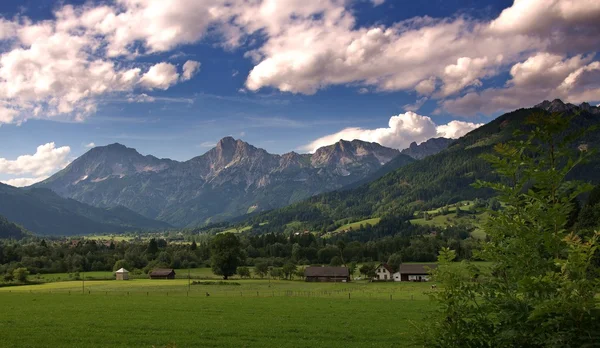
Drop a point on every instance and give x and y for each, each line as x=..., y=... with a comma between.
x=63, y=320
x=355, y=225
x=254, y=313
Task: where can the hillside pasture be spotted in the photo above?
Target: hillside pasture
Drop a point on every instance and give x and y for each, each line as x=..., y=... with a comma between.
x=356, y=225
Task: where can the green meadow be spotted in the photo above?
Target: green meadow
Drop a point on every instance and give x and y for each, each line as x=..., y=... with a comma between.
x=243, y=313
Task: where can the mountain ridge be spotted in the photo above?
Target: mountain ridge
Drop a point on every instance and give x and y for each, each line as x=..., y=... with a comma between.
x=234, y=175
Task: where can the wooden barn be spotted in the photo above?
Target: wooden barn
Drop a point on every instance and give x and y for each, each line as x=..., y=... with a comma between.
x=326, y=274
x=162, y=273
x=122, y=274
x=414, y=272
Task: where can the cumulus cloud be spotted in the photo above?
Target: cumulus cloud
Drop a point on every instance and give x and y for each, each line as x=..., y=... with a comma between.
x=22, y=182
x=90, y=145
x=402, y=130
x=377, y=2
x=62, y=66
x=542, y=76
x=46, y=160
x=190, y=68
x=161, y=76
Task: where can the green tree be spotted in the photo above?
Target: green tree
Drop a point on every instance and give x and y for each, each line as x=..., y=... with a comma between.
x=288, y=270
x=9, y=277
x=538, y=292
x=276, y=272
x=394, y=261
x=243, y=272
x=20, y=274
x=352, y=268
x=226, y=254
x=261, y=269
x=368, y=270
x=194, y=246
x=335, y=261
x=152, y=247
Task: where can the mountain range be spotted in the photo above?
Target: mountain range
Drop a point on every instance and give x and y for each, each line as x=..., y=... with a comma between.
x=43, y=212
x=427, y=148
x=232, y=179
x=437, y=180
x=112, y=189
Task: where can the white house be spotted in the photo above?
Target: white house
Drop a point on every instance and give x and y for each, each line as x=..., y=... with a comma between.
x=383, y=272
x=413, y=273
x=406, y=273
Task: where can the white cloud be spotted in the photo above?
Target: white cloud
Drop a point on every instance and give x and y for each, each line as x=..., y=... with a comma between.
x=416, y=106
x=190, y=68
x=22, y=182
x=62, y=66
x=161, y=76
x=542, y=76
x=141, y=98
x=47, y=159
x=402, y=130
x=208, y=144
x=90, y=145
x=377, y=2
x=363, y=90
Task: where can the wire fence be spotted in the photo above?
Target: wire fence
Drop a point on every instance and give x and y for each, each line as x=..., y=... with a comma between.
x=345, y=293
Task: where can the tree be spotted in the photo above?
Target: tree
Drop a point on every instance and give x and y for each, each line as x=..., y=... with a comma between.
x=20, y=274
x=152, y=247
x=538, y=292
x=226, y=254
x=352, y=268
x=368, y=270
x=275, y=272
x=243, y=272
x=261, y=269
x=9, y=277
x=394, y=261
x=194, y=246
x=288, y=270
x=335, y=261
x=341, y=246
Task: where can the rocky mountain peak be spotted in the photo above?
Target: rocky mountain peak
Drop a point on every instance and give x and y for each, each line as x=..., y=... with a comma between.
x=558, y=105
x=427, y=148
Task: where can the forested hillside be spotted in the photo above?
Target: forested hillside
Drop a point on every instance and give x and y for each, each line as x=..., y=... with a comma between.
x=10, y=230
x=435, y=181
x=43, y=212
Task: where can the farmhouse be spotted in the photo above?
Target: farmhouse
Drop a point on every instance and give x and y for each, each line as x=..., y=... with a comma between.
x=326, y=274
x=406, y=273
x=383, y=272
x=122, y=274
x=160, y=273
x=413, y=272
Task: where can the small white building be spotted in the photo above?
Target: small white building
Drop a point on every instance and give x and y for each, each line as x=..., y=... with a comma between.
x=122, y=274
x=413, y=273
x=383, y=272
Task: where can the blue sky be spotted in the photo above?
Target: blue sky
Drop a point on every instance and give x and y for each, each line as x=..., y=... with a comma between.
x=282, y=75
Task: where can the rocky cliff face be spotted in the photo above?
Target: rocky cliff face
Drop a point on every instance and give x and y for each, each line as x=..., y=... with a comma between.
x=427, y=148
x=558, y=105
x=232, y=179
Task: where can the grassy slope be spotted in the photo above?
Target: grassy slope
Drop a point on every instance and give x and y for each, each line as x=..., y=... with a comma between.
x=355, y=225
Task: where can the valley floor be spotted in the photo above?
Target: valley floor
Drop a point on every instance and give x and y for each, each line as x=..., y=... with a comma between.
x=255, y=313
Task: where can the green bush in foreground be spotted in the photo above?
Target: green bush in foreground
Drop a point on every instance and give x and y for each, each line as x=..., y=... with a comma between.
x=539, y=291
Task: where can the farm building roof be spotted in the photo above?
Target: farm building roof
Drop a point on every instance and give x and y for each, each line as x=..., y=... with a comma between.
x=122, y=270
x=162, y=272
x=416, y=268
x=386, y=266
x=326, y=272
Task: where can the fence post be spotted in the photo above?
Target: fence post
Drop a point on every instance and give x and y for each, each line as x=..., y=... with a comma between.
x=348, y=295
x=390, y=297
